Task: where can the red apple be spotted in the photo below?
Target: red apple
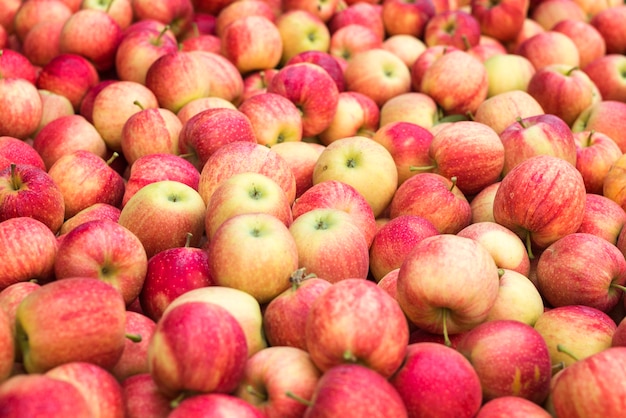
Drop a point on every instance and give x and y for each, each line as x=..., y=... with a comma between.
x=142, y=398
x=595, y=155
x=14, y=150
x=604, y=116
x=550, y=12
x=325, y=60
x=453, y=27
x=21, y=107
x=413, y=107
x=590, y=43
x=134, y=359
x=603, y=217
x=301, y=158
x=502, y=20
x=606, y=73
x=512, y=407
x=274, y=118
x=349, y=40
x=608, y=22
x=364, y=13
x=7, y=345
x=29, y=15
x=237, y=10
x=562, y=49
x=216, y=405
x=405, y=17
x=356, y=114
x=178, y=14
x=503, y=109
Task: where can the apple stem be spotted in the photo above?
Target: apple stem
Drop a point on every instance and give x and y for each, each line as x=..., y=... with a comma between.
x=177, y=400
x=188, y=240
x=109, y=6
x=138, y=103
x=113, y=157
x=298, y=276
x=618, y=286
x=453, y=180
x=252, y=391
x=161, y=34
x=446, y=338
x=349, y=356
x=300, y=399
x=562, y=349
x=136, y=338
x=466, y=42
x=422, y=168
x=558, y=366
x=571, y=70
x=521, y=122
x=195, y=29
x=15, y=183
x=529, y=246
x=501, y=272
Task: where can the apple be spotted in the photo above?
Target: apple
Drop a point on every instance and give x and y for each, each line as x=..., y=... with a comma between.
x=453, y=27
x=243, y=306
x=378, y=74
x=457, y=81
x=10, y=298
x=349, y=40
x=574, y=393
x=100, y=389
x=256, y=82
x=43, y=33
x=301, y=158
x=508, y=73
x=561, y=329
x=435, y=198
x=513, y=407
x=590, y=43
x=134, y=359
x=150, y=131
x=53, y=341
x=389, y=283
x=65, y=135
x=237, y=10
x=161, y=214
x=407, y=47
x=14, y=150
x=395, y=240
x=196, y=106
x=285, y=316
x=356, y=114
x=503, y=109
x=607, y=23
x=104, y=250
x=518, y=299
x=54, y=106
x=120, y=11
x=32, y=246
x=506, y=248
x=430, y=366
x=87, y=102
x=26, y=190
x=207, y=131
x=142, y=398
x=562, y=49
x=225, y=80
x=213, y=363
x=595, y=155
x=364, y=13
x=567, y=276
x=487, y=47
x=274, y=118
x=14, y=64
x=317, y=106
x=241, y=156
x=28, y=16
x=214, y=405
x=502, y=20
x=404, y=17
x=170, y=273
x=7, y=345
x=323, y=59
x=557, y=207
x=202, y=42
x=300, y=31
x=340, y=392
x=84, y=179
x=603, y=217
x=359, y=161
x=550, y=12
x=330, y=244
x=603, y=116
x=21, y=108
x=178, y=14
x=261, y=234
x=9, y=9
x=272, y=375
x=481, y=205
x=605, y=72
x=29, y=394
x=413, y=107
x=246, y=193
x=334, y=194
x=156, y=167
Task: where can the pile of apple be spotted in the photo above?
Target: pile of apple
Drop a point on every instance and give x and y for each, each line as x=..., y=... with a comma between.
x=312, y=208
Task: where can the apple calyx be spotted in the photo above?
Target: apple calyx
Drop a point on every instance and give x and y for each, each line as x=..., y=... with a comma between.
x=444, y=319
x=562, y=349
x=298, y=276
x=136, y=338
x=16, y=183
x=300, y=399
x=256, y=393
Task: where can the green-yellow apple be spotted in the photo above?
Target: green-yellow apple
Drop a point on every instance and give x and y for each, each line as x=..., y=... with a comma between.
x=508, y=72
x=482, y=204
x=300, y=31
x=84, y=321
x=518, y=299
x=501, y=110
x=161, y=214
x=413, y=107
x=360, y=162
x=407, y=47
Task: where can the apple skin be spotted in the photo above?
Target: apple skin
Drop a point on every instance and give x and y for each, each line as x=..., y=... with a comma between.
x=10, y=298
x=430, y=366
x=301, y=31
x=596, y=153
x=549, y=12
x=161, y=214
x=603, y=217
x=333, y=336
x=350, y=40
x=14, y=150
x=604, y=117
x=607, y=22
x=604, y=72
x=452, y=27
x=341, y=390
x=566, y=274
x=104, y=250
x=101, y=390
x=508, y=72
x=14, y=64
x=413, y=107
x=274, y=118
x=561, y=327
x=214, y=405
x=575, y=391
x=435, y=198
x=301, y=158
x=482, y=204
x=26, y=190
x=518, y=299
x=428, y=269
x=535, y=47
x=196, y=106
x=394, y=241
x=272, y=374
x=262, y=234
x=356, y=114
x=503, y=20
x=28, y=394
x=178, y=14
x=326, y=61
x=410, y=18
x=501, y=110
x=512, y=407
x=558, y=208
x=285, y=316
x=142, y=398
x=214, y=363
x=100, y=329
x=32, y=246
x=21, y=108
x=7, y=346
x=336, y=194
x=330, y=245
x=237, y=10
x=590, y=43
x=134, y=358
x=169, y=274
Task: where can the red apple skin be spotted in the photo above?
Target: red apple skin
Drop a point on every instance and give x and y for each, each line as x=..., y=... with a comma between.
x=603, y=217
x=285, y=316
x=503, y=20
x=7, y=346
x=301, y=158
x=605, y=73
x=608, y=23
x=604, y=117
x=400, y=17
x=429, y=365
x=453, y=27
x=566, y=274
x=89, y=97
x=29, y=191
x=360, y=13
x=511, y=359
x=512, y=407
x=595, y=155
x=170, y=273
x=21, y=108
x=619, y=336
x=97, y=211
x=217, y=405
x=142, y=398
x=14, y=150
x=549, y=12
x=14, y=64
x=574, y=393
x=341, y=390
x=134, y=359
x=32, y=246
x=329, y=339
x=536, y=46
x=482, y=204
x=590, y=43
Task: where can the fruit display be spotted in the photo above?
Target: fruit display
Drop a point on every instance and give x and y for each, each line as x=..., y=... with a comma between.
x=312, y=208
